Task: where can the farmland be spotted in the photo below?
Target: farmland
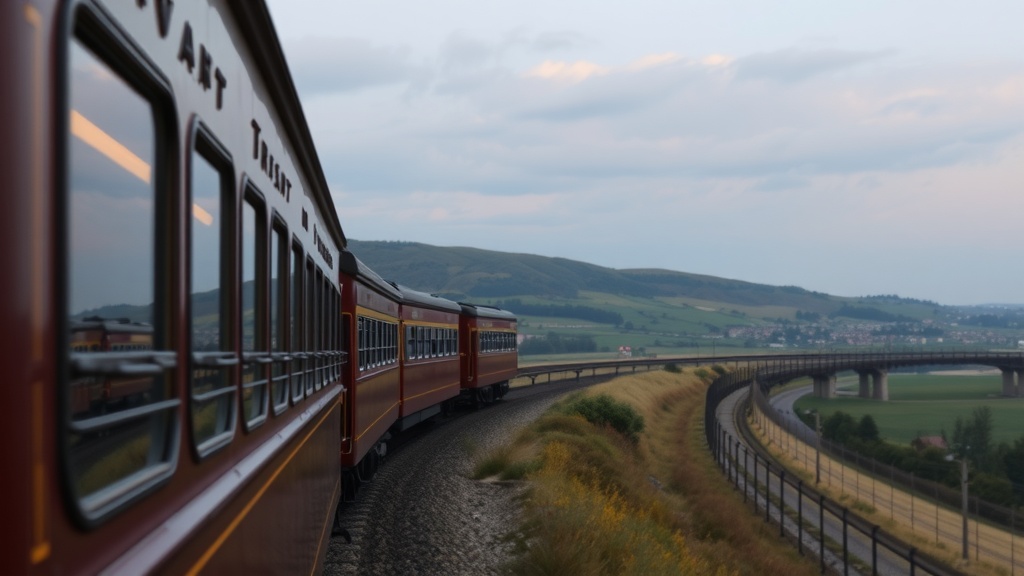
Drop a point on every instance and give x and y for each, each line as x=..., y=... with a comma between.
x=926, y=405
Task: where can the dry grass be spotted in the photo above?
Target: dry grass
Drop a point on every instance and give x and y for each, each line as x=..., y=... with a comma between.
x=922, y=540
x=600, y=504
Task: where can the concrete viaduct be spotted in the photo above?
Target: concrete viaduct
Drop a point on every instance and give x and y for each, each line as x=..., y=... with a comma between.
x=873, y=369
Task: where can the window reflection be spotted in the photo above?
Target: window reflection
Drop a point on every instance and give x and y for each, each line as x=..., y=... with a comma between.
x=295, y=316
x=278, y=274
x=213, y=396
x=119, y=427
x=254, y=372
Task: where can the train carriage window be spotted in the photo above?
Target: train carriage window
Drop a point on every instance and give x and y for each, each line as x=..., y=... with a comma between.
x=393, y=331
x=254, y=310
x=278, y=315
x=295, y=317
x=213, y=396
x=309, y=364
x=378, y=345
x=321, y=317
x=361, y=334
x=119, y=421
x=374, y=343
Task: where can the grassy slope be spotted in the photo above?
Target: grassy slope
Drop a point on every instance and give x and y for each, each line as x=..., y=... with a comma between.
x=601, y=505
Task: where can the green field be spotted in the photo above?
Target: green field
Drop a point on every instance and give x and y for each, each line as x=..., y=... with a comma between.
x=927, y=404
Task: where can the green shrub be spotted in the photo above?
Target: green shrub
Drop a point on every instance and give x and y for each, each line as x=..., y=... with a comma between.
x=719, y=369
x=603, y=410
x=673, y=368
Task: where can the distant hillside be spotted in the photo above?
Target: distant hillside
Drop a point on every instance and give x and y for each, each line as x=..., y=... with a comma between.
x=474, y=273
x=569, y=307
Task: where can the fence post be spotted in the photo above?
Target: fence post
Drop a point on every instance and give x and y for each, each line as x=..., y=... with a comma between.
x=755, y=482
x=800, y=516
x=912, y=502
x=782, y=501
x=746, y=478
x=821, y=530
x=767, y=491
x=735, y=462
x=874, y=550
x=846, y=559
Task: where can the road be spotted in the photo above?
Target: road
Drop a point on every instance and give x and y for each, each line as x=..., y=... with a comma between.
x=858, y=546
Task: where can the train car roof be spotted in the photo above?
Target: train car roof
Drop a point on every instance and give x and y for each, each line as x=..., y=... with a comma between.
x=410, y=296
x=255, y=19
x=349, y=264
x=486, y=311
x=123, y=325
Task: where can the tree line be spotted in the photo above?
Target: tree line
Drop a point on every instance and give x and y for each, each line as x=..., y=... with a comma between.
x=996, y=470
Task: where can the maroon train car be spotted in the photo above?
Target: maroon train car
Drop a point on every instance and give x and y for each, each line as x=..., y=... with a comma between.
x=95, y=334
x=430, y=355
x=158, y=168
x=372, y=378
x=489, y=352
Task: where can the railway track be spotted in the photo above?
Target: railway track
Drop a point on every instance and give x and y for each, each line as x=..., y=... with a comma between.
x=422, y=514
x=847, y=552
x=843, y=541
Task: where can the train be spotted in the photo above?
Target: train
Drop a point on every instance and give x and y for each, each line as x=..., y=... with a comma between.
x=203, y=372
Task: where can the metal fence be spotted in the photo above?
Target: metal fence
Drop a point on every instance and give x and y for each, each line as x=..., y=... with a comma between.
x=841, y=539
x=987, y=533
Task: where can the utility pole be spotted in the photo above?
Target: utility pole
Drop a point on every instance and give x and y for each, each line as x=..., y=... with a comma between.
x=963, y=487
x=817, y=447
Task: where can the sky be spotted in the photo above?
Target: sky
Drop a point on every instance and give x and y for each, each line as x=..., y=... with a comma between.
x=853, y=148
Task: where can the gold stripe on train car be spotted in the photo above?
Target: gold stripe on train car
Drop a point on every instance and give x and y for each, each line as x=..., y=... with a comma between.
x=430, y=324
x=431, y=391
x=329, y=521
x=374, y=423
x=370, y=313
x=41, y=548
x=205, y=558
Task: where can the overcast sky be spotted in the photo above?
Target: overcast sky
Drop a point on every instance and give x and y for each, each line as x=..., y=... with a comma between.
x=855, y=148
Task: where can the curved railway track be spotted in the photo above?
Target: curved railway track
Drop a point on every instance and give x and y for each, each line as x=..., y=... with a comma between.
x=858, y=548
x=422, y=514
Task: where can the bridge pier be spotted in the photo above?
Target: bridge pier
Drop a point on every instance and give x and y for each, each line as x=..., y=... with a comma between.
x=865, y=384
x=874, y=383
x=880, y=382
x=825, y=386
x=1010, y=380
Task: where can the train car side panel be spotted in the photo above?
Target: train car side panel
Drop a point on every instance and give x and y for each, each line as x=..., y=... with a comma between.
x=372, y=376
x=430, y=354
x=121, y=428
x=489, y=357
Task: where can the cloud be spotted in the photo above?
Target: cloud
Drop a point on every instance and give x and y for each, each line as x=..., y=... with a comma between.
x=575, y=72
x=654, y=60
x=795, y=65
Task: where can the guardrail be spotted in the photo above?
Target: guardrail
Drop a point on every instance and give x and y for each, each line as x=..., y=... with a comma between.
x=786, y=496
